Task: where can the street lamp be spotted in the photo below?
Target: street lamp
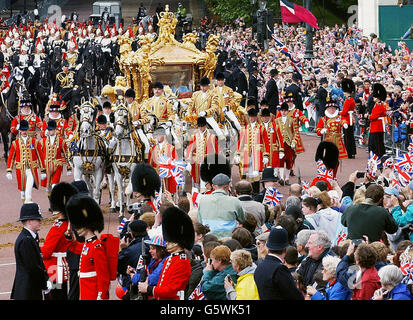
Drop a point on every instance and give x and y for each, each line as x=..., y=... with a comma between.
x=309, y=45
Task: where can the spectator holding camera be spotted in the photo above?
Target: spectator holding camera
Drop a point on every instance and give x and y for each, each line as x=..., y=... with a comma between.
x=217, y=268
x=131, y=249
x=392, y=287
x=246, y=288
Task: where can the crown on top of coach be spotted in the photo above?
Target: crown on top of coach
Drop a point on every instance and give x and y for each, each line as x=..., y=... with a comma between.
x=166, y=14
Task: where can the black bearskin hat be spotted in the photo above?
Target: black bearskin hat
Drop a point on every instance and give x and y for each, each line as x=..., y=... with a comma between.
x=214, y=164
x=379, y=92
x=84, y=212
x=177, y=227
x=347, y=85
x=145, y=180
x=328, y=153
x=60, y=195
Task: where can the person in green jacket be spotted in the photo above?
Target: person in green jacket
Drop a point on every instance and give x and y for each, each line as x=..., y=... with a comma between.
x=212, y=282
x=246, y=289
x=369, y=218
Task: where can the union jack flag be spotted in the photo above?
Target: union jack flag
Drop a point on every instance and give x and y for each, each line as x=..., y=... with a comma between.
x=195, y=199
x=406, y=266
x=272, y=197
x=157, y=200
x=405, y=162
x=373, y=164
x=165, y=167
x=410, y=147
x=323, y=172
x=341, y=236
x=389, y=163
x=122, y=225
x=305, y=186
x=403, y=176
x=197, y=294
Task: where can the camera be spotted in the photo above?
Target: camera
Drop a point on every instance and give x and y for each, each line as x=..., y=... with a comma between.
x=357, y=242
x=135, y=209
x=228, y=277
x=361, y=174
x=127, y=237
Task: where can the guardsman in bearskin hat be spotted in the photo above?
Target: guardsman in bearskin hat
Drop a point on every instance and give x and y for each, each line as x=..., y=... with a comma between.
x=85, y=216
x=253, y=150
x=201, y=144
x=25, y=155
x=328, y=153
x=178, y=233
x=31, y=278
x=159, y=105
x=348, y=114
x=290, y=136
x=163, y=148
x=203, y=102
x=377, y=121
x=330, y=127
x=56, y=244
x=62, y=127
x=55, y=155
x=275, y=137
x=27, y=114
x=213, y=164
x=145, y=183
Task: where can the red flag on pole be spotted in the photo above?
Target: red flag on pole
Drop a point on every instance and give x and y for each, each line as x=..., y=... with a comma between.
x=292, y=13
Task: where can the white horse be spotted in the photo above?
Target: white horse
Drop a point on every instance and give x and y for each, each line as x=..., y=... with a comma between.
x=127, y=153
x=89, y=151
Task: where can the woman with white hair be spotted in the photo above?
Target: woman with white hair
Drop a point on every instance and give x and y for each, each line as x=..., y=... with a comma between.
x=392, y=287
x=334, y=290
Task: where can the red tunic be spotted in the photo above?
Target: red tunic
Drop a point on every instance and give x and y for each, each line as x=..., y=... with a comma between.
x=174, y=277
x=348, y=106
x=253, y=144
x=33, y=120
x=62, y=129
x=334, y=128
x=276, y=142
x=169, y=151
x=25, y=156
x=94, y=275
x=54, y=158
x=299, y=120
x=200, y=145
x=56, y=242
x=377, y=118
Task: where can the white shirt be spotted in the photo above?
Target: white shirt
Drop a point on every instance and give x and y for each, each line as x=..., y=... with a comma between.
x=31, y=232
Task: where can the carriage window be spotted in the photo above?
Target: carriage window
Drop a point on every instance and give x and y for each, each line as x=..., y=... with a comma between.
x=177, y=77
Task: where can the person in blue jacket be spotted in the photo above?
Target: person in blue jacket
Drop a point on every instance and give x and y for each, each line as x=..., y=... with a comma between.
x=392, y=287
x=403, y=219
x=334, y=290
x=158, y=252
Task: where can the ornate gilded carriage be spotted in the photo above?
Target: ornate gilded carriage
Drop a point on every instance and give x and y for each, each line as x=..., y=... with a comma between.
x=179, y=65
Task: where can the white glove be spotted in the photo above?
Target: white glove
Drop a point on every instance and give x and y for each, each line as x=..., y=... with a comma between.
x=323, y=131
x=225, y=109
x=152, y=121
x=293, y=146
x=18, y=126
x=307, y=125
x=42, y=176
x=202, y=114
x=188, y=167
x=99, y=297
x=281, y=155
x=345, y=126
x=49, y=287
x=169, y=123
x=237, y=160
x=265, y=161
x=31, y=69
x=46, y=133
x=9, y=176
x=136, y=123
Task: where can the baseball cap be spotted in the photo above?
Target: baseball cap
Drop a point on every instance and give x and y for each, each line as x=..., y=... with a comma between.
x=392, y=191
x=221, y=180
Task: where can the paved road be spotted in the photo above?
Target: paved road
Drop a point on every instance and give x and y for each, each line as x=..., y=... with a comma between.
x=10, y=204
